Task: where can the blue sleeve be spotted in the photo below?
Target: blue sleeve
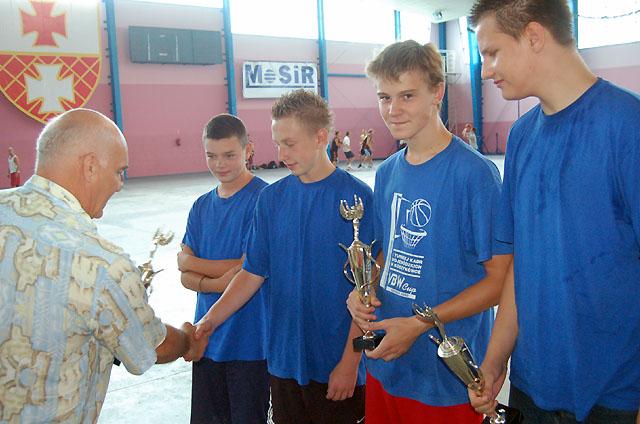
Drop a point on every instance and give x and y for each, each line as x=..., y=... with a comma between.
x=504, y=219
x=482, y=214
x=191, y=235
x=257, y=248
x=628, y=177
x=247, y=224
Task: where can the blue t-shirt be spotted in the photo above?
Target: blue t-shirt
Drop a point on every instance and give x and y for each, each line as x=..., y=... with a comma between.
x=217, y=229
x=571, y=207
x=436, y=222
x=294, y=242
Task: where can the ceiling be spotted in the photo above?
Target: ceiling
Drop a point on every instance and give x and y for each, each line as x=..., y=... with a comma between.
x=437, y=10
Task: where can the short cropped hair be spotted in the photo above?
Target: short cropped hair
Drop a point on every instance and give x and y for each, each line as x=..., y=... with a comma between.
x=407, y=56
x=63, y=135
x=308, y=108
x=225, y=126
x=512, y=16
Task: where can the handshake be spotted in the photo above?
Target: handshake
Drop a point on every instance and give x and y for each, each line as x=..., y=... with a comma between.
x=197, y=338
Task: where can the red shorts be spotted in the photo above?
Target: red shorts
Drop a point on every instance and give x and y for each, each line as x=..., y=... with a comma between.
x=15, y=179
x=382, y=408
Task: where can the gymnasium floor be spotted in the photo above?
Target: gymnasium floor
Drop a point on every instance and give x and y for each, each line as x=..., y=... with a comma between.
x=162, y=394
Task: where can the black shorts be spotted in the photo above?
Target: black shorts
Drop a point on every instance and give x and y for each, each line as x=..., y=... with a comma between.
x=233, y=391
x=293, y=403
x=349, y=154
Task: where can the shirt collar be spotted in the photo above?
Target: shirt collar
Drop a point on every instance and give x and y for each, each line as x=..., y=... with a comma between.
x=52, y=189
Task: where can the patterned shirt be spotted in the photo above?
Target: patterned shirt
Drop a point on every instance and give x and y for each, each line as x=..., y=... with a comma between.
x=70, y=301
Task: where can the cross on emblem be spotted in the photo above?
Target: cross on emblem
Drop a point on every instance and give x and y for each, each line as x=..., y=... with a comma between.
x=49, y=88
x=43, y=23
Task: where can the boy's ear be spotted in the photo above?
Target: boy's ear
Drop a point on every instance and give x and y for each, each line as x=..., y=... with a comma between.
x=440, y=89
x=322, y=137
x=535, y=35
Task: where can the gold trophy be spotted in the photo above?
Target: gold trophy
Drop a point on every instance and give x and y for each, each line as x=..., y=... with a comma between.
x=159, y=239
x=362, y=265
x=456, y=355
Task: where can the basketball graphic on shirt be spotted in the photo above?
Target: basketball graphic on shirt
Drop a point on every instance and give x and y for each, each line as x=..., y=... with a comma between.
x=417, y=217
x=420, y=213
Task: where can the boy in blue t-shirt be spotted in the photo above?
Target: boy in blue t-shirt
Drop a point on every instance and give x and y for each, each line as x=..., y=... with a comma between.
x=230, y=383
x=316, y=376
x=569, y=316
x=435, y=203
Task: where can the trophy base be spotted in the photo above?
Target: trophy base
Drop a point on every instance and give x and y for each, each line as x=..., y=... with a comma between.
x=511, y=415
x=368, y=343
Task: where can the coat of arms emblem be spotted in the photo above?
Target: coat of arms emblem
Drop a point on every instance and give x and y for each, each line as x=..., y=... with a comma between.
x=49, y=54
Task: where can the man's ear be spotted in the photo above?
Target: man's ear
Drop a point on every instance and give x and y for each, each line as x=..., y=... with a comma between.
x=535, y=35
x=90, y=167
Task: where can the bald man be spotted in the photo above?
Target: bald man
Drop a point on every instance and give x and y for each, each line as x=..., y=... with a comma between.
x=71, y=301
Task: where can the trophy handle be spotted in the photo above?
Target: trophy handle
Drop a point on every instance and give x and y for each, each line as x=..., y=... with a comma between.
x=345, y=271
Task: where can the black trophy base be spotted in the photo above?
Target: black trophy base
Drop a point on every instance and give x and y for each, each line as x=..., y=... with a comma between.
x=369, y=343
x=512, y=415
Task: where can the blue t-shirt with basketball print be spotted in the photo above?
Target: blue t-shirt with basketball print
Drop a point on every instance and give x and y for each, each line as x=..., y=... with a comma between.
x=435, y=221
x=217, y=229
x=294, y=242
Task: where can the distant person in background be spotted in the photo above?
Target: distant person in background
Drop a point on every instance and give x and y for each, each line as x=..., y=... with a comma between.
x=465, y=132
x=250, y=153
x=346, y=148
x=365, y=150
x=469, y=135
x=14, y=168
x=472, y=138
x=335, y=146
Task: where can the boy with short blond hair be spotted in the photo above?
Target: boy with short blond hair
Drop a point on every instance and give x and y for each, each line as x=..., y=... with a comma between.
x=316, y=376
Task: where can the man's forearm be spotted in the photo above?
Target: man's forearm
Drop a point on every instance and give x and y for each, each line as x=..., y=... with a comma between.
x=174, y=346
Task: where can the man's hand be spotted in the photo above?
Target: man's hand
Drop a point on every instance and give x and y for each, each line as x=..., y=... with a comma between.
x=196, y=346
x=361, y=314
x=400, y=335
x=485, y=401
x=204, y=329
x=342, y=381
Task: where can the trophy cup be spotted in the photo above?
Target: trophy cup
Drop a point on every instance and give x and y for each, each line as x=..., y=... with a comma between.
x=456, y=355
x=362, y=265
x=159, y=239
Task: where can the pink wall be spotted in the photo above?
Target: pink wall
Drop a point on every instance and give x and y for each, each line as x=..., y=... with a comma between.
x=164, y=107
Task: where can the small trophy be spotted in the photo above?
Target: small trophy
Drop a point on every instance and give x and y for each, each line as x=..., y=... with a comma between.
x=159, y=239
x=362, y=265
x=456, y=355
